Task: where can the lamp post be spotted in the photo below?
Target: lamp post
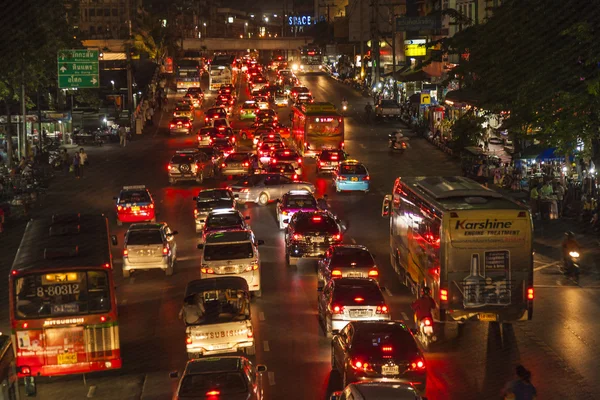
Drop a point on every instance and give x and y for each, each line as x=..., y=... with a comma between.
x=113, y=85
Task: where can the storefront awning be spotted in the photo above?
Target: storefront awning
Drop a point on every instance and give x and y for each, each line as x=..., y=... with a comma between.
x=414, y=76
x=462, y=97
x=541, y=153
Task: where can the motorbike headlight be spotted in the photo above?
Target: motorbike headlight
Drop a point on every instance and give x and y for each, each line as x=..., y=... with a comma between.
x=574, y=254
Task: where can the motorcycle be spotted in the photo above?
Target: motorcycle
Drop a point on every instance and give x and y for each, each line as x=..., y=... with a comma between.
x=394, y=145
x=425, y=333
x=570, y=266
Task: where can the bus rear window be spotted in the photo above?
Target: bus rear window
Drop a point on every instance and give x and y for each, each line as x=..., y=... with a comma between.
x=59, y=294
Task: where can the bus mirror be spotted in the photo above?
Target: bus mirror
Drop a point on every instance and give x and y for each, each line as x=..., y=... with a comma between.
x=113, y=239
x=385, y=208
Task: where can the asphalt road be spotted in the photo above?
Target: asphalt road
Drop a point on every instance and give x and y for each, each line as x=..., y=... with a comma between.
x=559, y=346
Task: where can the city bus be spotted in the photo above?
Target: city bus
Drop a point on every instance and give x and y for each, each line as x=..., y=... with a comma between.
x=315, y=127
x=471, y=245
x=188, y=74
x=63, y=309
x=220, y=71
x=311, y=61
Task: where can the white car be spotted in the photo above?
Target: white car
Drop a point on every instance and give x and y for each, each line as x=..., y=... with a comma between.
x=149, y=246
x=262, y=103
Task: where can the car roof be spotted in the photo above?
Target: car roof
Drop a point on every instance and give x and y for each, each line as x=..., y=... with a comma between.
x=378, y=326
x=213, y=364
x=215, y=109
x=224, y=211
x=354, y=282
x=342, y=247
x=228, y=236
x=146, y=226
x=385, y=391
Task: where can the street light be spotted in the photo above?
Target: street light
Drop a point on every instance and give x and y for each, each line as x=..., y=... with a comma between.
x=113, y=85
x=266, y=19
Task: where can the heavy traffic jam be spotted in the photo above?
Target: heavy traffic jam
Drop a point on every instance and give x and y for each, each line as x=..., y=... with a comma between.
x=463, y=250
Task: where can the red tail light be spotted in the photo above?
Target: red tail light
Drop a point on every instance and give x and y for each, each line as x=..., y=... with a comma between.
x=316, y=218
x=427, y=322
x=417, y=365
x=165, y=250
x=382, y=309
x=530, y=294
x=246, y=164
x=207, y=270
x=373, y=273
x=187, y=125
x=387, y=349
x=295, y=177
x=320, y=163
x=25, y=370
x=125, y=252
x=25, y=325
x=366, y=178
x=444, y=294
x=359, y=299
x=168, y=167
x=298, y=236
x=195, y=212
x=357, y=364
x=172, y=126
x=188, y=340
x=213, y=393
x=342, y=178
x=337, y=309
x=337, y=237
x=336, y=272
x=223, y=165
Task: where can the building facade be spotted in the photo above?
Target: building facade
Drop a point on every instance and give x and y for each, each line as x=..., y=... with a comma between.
x=106, y=19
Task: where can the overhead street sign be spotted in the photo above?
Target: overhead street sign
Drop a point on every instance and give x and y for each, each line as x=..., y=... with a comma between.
x=417, y=23
x=78, y=68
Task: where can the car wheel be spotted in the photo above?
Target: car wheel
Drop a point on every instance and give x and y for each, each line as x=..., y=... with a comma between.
x=250, y=351
x=126, y=273
x=244, y=136
x=257, y=294
x=119, y=222
x=263, y=199
x=200, y=178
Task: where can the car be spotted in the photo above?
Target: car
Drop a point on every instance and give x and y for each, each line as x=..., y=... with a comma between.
x=226, y=98
x=346, y=261
x=232, y=252
x=257, y=82
x=266, y=92
x=262, y=102
x=281, y=99
x=195, y=92
x=350, y=299
x=206, y=136
x=221, y=123
x=266, y=148
x=266, y=113
x=184, y=110
x=378, y=350
x=238, y=164
x=225, y=377
x=293, y=202
x=227, y=88
x=369, y=390
x=266, y=134
x=208, y=200
x=134, y=204
x=225, y=145
x=328, y=160
x=180, y=125
x=351, y=175
x=296, y=90
x=303, y=98
x=149, y=246
x=286, y=170
x=310, y=234
x=248, y=110
x=224, y=104
x=186, y=165
x=224, y=220
x=287, y=156
x=213, y=113
x=264, y=188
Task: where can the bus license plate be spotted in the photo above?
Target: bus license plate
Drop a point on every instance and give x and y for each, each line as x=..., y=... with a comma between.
x=220, y=346
x=67, y=358
x=319, y=240
x=390, y=370
x=488, y=317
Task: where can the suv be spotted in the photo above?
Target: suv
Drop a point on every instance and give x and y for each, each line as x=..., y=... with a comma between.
x=389, y=348
x=292, y=202
x=329, y=160
x=209, y=200
x=224, y=220
x=227, y=253
x=186, y=165
x=310, y=234
x=149, y=246
x=346, y=261
x=238, y=164
x=350, y=299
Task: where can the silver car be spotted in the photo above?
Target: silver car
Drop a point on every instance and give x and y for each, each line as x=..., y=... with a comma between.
x=190, y=165
x=209, y=200
x=238, y=164
x=149, y=246
x=264, y=188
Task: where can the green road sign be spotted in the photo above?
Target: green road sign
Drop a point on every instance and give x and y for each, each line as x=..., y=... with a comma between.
x=78, y=68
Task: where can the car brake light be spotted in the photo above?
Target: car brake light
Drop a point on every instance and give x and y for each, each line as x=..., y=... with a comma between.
x=295, y=177
x=172, y=125
x=417, y=365
x=298, y=236
x=223, y=165
x=187, y=125
x=338, y=309
x=195, y=212
x=366, y=178
x=320, y=163
x=316, y=218
x=25, y=370
x=359, y=299
x=427, y=321
x=246, y=164
x=336, y=272
x=213, y=393
x=299, y=160
x=125, y=252
x=334, y=157
x=342, y=178
x=387, y=349
x=530, y=294
x=207, y=270
x=373, y=273
x=444, y=294
x=188, y=340
x=245, y=190
x=357, y=364
x=337, y=237
x=382, y=309
x=119, y=208
x=165, y=250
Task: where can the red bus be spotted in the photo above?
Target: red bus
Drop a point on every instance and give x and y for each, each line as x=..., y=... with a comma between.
x=317, y=126
x=63, y=309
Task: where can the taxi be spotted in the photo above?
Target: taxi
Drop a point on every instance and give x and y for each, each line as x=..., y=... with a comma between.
x=351, y=175
x=184, y=110
x=248, y=110
x=134, y=204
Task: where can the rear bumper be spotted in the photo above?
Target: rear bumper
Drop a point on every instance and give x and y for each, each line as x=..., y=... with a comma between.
x=79, y=368
x=141, y=217
x=182, y=177
x=209, y=349
x=349, y=185
x=235, y=171
x=251, y=278
x=179, y=130
x=158, y=264
x=307, y=251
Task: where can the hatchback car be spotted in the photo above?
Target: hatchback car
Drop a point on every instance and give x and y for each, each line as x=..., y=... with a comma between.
x=292, y=202
x=149, y=246
x=209, y=200
x=377, y=391
x=351, y=175
x=134, y=204
x=212, y=113
x=329, y=160
x=221, y=124
x=230, y=377
x=206, y=136
x=262, y=102
x=310, y=234
x=190, y=165
x=238, y=164
x=346, y=261
x=264, y=188
x=350, y=299
x=225, y=105
x=371, y=351
x=180, y=125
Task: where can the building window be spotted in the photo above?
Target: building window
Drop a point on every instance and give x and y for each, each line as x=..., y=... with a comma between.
x=115, y=12
x=92, y=30
x=92, y=12
x=107, y=12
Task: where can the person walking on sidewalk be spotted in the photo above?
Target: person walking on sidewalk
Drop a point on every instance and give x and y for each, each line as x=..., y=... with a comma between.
x=83, y=159
x=65, y=161
x=149, y=115
x=122, y=136
x=76, y=164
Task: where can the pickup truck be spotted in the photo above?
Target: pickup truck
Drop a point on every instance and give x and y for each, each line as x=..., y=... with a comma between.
x=387, y=109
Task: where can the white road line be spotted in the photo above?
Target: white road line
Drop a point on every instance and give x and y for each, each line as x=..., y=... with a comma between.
x=261, y=316
x=271, y=375
x=363, y=146
x=388, y=292
x=546, y=266
x=404, y=316
x=266, y=345
x=353, y=241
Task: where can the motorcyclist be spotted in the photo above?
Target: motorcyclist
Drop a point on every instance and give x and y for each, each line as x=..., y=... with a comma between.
x=569, y=245
x=369, y=110
x=344, y=104
x=423, y=306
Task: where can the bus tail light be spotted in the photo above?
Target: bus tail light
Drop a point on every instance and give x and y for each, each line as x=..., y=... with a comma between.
x=188, y=340
x=383, y=309
x=103, y=319
x=530, y=294
x=25, y=325
x=213, y=393
x=373, y=273
x=125, y=252
x=24, y=369
x=444, y=294
x=336, y=272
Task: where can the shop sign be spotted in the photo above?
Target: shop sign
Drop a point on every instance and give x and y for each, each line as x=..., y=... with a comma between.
x=415, y=48
x=300, y=20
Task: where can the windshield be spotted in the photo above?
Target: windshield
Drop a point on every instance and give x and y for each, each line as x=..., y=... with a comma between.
x=388, y=103
x=182, y=159
x=347, y=257
x=134, y=197
x=223, y=220
x=233, y=251
x=60, y=294
x=356, y=169
x=370, y=294
x=309, y=223
x=403, y=346
x=300, y=202
x=225, y=382
x=141, y=237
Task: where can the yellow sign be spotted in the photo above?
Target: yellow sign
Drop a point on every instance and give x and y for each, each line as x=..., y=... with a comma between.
x=318, y=107
x=415, y=50
x=425, y=98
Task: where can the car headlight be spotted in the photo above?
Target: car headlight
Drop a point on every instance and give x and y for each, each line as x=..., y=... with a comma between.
x=574, y=254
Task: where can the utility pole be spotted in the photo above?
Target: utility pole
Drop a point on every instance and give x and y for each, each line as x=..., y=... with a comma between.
x=23, y=132
x=362, y=42
x=393, y=14
x=129, y=71
x=375, y=42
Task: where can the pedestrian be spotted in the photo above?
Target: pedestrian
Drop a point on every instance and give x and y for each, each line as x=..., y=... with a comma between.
x=122, y=136
x=1, y=220
x=76, y=164
x=65, y=161
x=149, y=114
x=520, y=388
x=534, y=199
x=83, y=161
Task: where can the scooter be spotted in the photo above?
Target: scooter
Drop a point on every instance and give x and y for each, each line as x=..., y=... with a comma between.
x=570, y=266
x=425, y=333
x=394, y=145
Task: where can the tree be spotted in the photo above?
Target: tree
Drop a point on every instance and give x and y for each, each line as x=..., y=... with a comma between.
x=467, y=131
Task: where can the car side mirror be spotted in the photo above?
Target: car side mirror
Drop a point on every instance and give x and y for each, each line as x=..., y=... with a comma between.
x=385, y=207
x=236, y=196
x=247, y=218
x=335, y=396
x=200, y=246
x=260, y=368
x=113, y=239
x=260, y=242
x=173, y=374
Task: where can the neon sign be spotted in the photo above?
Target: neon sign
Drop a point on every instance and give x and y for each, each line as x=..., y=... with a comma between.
x=300, y=20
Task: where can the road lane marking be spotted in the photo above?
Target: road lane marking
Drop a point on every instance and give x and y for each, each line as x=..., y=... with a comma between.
x=388, y=292
x=353, y=241
x=266, y=345
x=187, y=258
x=362, y=146
x=271, y=375
x=404, y=316
x=552, y=264
x=261, y=316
